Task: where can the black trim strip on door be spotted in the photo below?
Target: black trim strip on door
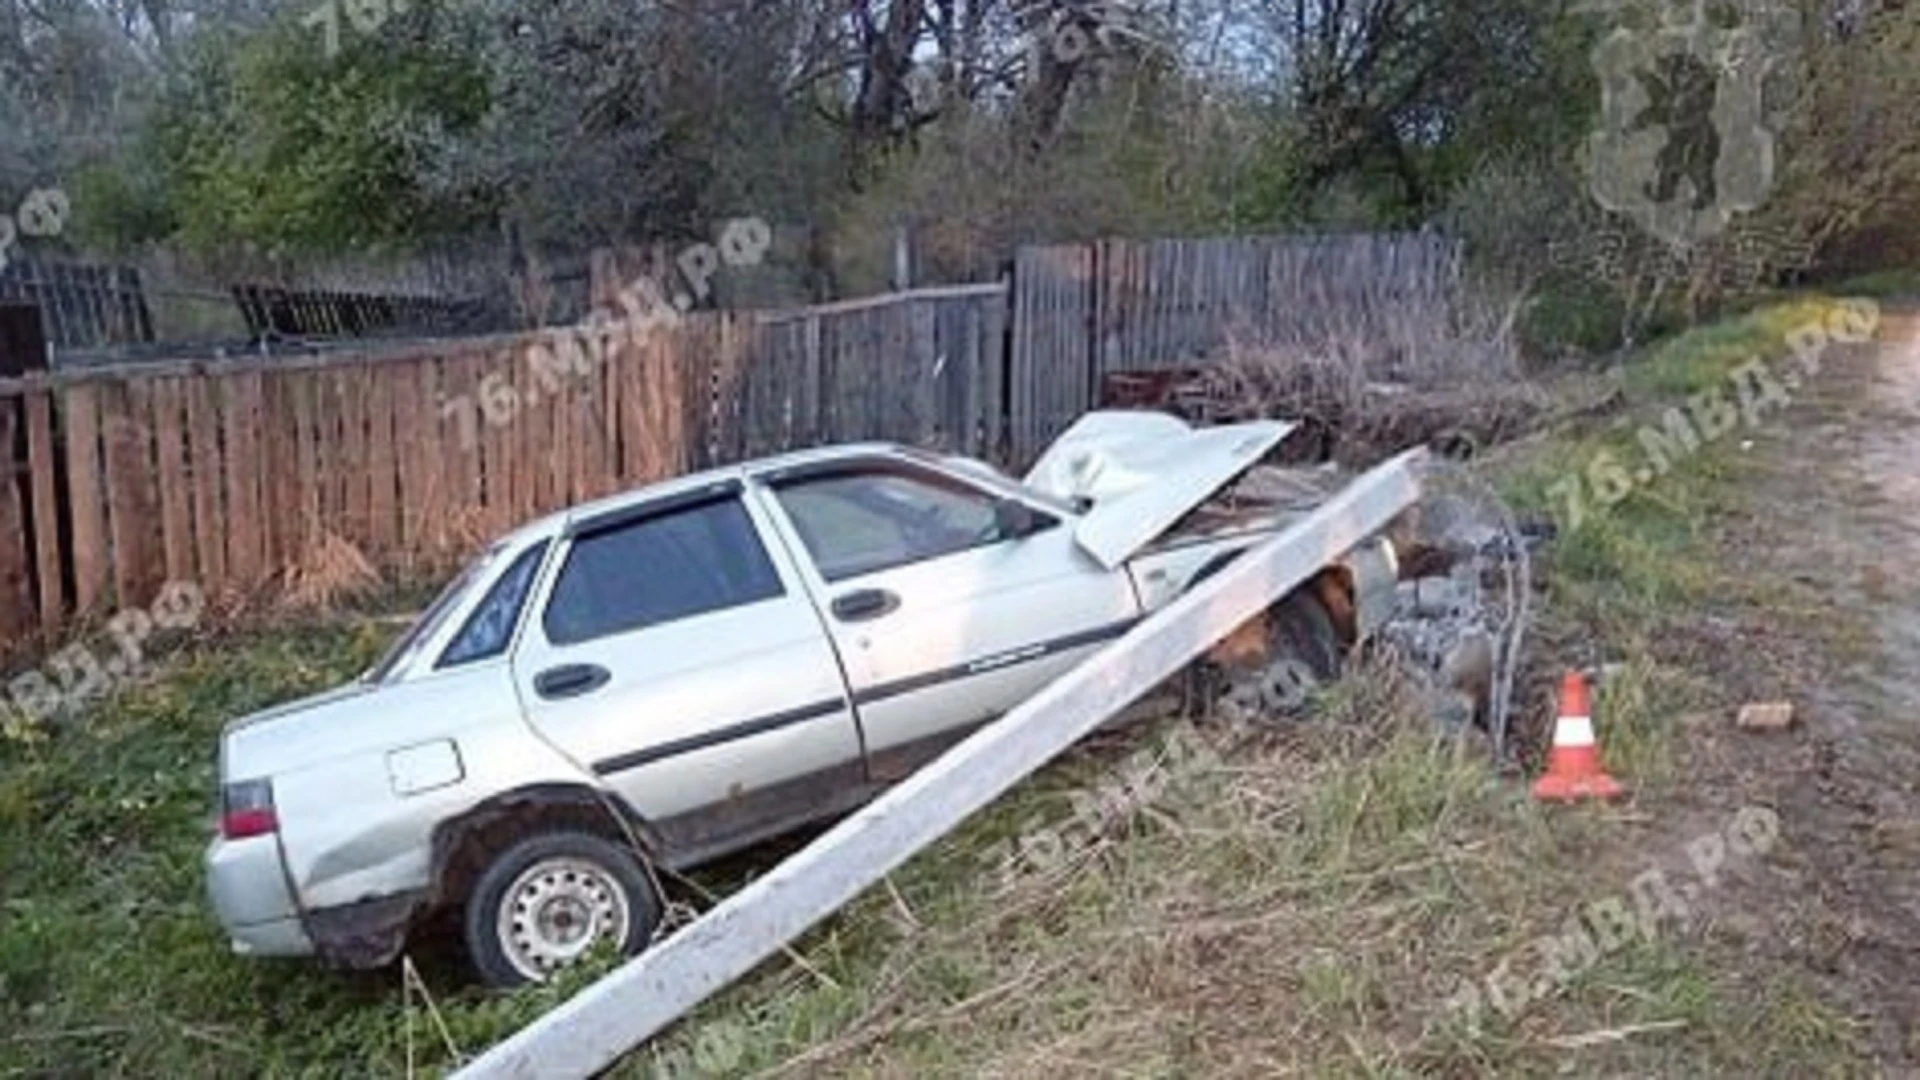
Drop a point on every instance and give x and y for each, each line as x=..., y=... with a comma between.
x=1021, y=655
x=774, y=721
x=759, y=725
x=666, y=504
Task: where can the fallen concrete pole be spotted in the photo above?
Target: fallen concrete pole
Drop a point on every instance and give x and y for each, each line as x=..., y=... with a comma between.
x=597, y=1026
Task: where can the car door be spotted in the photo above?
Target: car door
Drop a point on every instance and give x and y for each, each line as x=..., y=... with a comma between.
x=940, y=619
x=679, y=657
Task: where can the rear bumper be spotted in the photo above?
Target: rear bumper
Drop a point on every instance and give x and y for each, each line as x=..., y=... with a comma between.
x=248, y=888
x=255, y=905
x=282, y=937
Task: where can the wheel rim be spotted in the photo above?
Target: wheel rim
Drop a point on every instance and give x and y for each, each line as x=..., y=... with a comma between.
x=1281, y=686
x=555, y=911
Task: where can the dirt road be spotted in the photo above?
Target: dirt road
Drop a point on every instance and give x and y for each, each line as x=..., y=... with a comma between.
x=1837, y=514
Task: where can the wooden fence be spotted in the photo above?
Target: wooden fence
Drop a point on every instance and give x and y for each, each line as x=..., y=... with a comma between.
x=227, y=475
x=921, y=367
x=1086, y=310
x=231, y=474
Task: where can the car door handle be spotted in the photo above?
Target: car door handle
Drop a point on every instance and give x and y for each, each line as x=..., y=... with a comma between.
x=570, y=680
x=864, y=604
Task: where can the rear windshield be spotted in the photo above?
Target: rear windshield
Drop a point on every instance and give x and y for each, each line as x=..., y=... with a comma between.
x=402, y=651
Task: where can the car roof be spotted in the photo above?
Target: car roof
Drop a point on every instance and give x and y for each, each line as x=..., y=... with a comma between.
x=549, y=524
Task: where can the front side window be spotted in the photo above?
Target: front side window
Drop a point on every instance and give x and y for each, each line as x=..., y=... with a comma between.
x=489, y=629
x=679, y=564
x=861, y=522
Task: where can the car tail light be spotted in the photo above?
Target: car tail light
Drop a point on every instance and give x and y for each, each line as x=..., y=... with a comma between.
x=246, y=809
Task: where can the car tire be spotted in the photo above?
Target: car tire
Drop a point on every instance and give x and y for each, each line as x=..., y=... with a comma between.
x=1303, y=653
x=1303, y=629
x=544, y=901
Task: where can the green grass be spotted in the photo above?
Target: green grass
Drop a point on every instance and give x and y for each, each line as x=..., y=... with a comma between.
x=110, y=962
x=1652, y=549
x=1350, y=872
x=1635, y=575
x=1308, y=905
x=1883, y=284
x=1573, y=316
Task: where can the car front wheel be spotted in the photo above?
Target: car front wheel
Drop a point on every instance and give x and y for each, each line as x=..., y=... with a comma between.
x=1302, y=654
x=545, y=901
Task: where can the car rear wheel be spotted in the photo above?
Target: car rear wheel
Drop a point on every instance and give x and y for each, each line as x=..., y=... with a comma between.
x=544, y=902
x=1302, y=654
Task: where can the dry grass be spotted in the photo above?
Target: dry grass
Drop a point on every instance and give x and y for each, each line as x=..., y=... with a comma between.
x=331, y=571
x=1409, y=374
x=1314, y=904
x=1308, y=906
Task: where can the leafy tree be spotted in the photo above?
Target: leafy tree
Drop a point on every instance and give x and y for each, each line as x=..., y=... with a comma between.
x=563, y=125
x=270, y=142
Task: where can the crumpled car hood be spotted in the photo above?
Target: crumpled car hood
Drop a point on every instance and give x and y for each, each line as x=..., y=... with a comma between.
x=1143, y=471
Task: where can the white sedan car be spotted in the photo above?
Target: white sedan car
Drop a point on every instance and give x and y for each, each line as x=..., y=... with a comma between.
x=675, y=673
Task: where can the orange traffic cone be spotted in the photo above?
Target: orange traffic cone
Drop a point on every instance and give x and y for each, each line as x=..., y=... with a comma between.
x=1573, y=763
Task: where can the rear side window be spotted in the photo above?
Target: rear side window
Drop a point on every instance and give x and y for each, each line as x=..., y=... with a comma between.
x=490, y=628
x=679, y=564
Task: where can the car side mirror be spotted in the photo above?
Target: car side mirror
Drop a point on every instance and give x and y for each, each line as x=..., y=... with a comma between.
x=1015, y=520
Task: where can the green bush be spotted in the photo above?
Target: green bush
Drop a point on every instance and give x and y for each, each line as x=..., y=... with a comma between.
x=1571, y=316
x=1881, y=284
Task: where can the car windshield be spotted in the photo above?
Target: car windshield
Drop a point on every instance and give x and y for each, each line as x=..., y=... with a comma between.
x=984, y=474
x=401, y=653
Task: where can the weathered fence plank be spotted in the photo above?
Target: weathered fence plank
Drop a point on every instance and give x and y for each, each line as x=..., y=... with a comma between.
x=16, y=546
x=41, y=466
x=205, y=461
x=356, y=454
x=491, y=380
x=527, y=443
x=176, y=492
x=445, y=464
x=132, y=508
x=245, y=558
x=1051, y=364
x=304, y=389
x=279, y=534
x=412, y=449
x=91, y=567
x=467, y=480
x=383, y=533
x=560, y=454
